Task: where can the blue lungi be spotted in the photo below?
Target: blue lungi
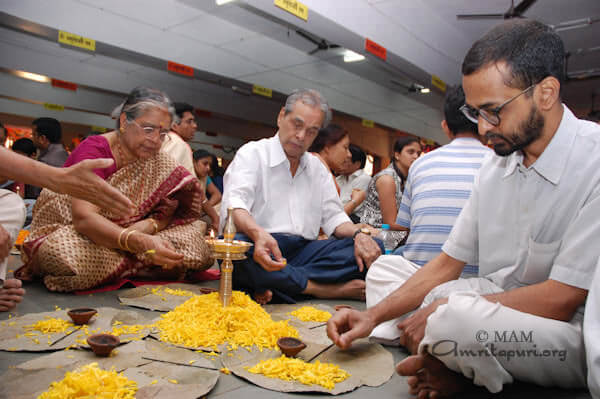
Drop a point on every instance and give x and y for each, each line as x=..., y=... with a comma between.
x=329, y=261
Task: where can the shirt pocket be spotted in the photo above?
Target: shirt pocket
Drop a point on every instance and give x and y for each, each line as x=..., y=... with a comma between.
x=539, y=261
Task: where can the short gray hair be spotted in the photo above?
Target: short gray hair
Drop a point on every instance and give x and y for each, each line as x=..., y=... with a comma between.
x=309, y=97
x=140, y=100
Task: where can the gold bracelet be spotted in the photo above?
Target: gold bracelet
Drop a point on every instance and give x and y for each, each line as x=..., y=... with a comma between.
x=127, y=239
x=154, y=224
x=119, y=240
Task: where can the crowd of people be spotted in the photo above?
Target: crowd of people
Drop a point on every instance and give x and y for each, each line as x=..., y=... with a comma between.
x=497, y=240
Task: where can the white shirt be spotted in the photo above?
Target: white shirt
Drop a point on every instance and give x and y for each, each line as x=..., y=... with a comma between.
x=259, y=180
x=359, y=179
x=178, y=149
x=527, y=225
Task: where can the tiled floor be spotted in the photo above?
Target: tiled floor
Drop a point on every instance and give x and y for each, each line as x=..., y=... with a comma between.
x=38, y=299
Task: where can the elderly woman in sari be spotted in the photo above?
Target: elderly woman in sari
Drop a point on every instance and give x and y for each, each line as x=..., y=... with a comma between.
x=74, y=245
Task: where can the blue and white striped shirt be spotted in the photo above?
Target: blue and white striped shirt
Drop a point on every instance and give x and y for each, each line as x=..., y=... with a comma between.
x=438, y=186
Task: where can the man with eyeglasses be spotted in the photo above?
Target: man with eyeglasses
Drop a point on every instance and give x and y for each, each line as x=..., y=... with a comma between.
x=530, y=223
x=182, y=130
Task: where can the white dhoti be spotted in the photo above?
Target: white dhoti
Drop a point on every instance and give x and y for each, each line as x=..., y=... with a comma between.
x=385, y=276
x=488, y=343
x=12, y=217
x=492, y=344
x=388, y=273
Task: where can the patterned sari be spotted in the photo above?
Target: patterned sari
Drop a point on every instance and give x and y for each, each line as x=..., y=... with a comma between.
x=69, y=261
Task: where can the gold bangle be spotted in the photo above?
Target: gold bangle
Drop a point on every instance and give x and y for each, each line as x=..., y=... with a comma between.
x=119, y=240
x=154, y=224
x=127, y=239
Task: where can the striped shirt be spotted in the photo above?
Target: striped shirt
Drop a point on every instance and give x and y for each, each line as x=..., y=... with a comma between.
x=438, y=186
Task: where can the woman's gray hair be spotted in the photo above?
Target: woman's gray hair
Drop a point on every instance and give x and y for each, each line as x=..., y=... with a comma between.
x=140, y=100
x=309, y=97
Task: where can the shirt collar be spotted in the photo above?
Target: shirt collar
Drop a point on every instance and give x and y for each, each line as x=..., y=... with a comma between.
x=277, y=154
x=551, y=163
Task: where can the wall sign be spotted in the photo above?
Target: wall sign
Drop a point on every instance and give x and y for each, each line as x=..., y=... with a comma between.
x=54, y=107
x=376, y=49
x=75, y=40
x=262, y=91
x=368, y=123
x=63, y=84
x=294, y=7
x=180, y=69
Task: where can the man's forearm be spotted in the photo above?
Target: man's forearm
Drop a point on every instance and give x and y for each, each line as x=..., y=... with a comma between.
x=549, y=299
x=346, y=229
x=245, y=223
x=410, y=295
x=26, y=170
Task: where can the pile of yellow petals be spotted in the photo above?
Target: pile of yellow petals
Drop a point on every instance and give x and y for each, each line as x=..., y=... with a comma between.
x=290, y=369
x=50, y=325
x=309, y=313
x=202, y=321
x=160, y=291
x=90, y=381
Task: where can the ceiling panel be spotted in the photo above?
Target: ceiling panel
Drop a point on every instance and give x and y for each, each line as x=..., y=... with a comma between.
x=212, y=30
x=159, y=13
x=378, y=95
x=343, y=102
x=111, y=63
x=322, y=72
x=278, y=80
x=268, y=52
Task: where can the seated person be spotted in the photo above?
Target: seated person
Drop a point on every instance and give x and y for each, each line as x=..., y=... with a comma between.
x=281, y=196
x=12, y=216
x=216, y=173
x=331, y=147
x=353, y=182
x=74, y=245
x=384, y=193
x=202, y=165
x=26, y=148
x=530, y=223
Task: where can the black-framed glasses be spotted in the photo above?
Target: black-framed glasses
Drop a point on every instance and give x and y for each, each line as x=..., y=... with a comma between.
x=492, y=116
x=149, y=130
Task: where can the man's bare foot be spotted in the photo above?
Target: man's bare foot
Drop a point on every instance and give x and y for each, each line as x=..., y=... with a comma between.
x=10, y=294
x=264, y=297
x=353, y=289
x=430, y=378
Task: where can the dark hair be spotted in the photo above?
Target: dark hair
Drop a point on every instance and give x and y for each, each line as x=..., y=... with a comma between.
x=215, y=169
x=50, y=128
x=328, y=136
x=25, y=146
x=456, y=120
x=531, y=50
x=403, y=142
x=358, y=155
x=199, y=154
x=180, y=109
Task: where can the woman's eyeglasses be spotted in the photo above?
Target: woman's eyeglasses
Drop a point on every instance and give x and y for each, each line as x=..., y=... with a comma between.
x=492, y=116
x=149, y=130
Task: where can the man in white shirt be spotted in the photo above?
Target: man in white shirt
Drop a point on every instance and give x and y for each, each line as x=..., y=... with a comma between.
x=182, y=130
x=531, y=223
x=282, y=195
x=353, y=183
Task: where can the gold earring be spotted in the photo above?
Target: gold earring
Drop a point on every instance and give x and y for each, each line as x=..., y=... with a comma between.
x=122, y=129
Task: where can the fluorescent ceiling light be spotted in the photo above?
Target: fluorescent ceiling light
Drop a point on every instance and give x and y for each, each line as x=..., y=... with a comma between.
x=425, y=90
x=351, y=56
x=33, y=76
x=221, y=2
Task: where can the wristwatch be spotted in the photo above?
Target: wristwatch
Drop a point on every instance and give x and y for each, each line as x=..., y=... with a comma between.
x=363, y=230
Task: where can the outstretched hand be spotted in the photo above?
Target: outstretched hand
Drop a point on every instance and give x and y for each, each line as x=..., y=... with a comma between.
x=347, y=325
x=80, y=181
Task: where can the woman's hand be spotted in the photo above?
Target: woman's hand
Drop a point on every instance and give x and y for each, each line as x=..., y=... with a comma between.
x=159, y=251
